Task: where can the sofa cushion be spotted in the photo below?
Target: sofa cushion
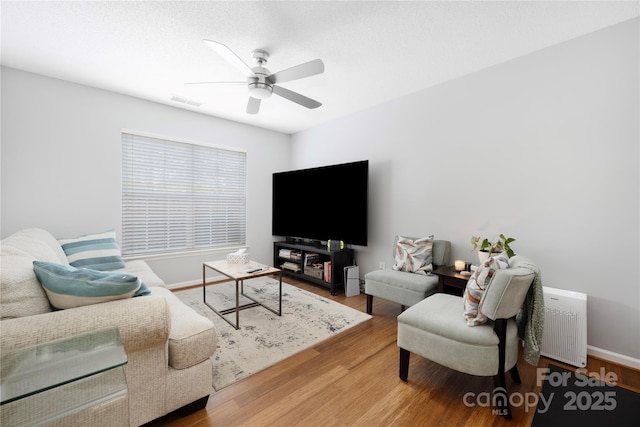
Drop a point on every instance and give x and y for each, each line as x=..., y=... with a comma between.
x=192, y=337
x=20, y=291
x=141, y=269
x=414, y=255
x=95, y=251
x=68, y=287
x=36, y=243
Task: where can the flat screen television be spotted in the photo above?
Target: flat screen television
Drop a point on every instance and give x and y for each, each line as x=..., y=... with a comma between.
x=322, y=203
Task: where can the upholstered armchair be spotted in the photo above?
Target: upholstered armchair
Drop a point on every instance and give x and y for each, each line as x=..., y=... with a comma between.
x=436, y=329
x=403, y=287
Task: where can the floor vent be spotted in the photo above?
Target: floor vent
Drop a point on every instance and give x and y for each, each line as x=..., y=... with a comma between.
x=565, y=326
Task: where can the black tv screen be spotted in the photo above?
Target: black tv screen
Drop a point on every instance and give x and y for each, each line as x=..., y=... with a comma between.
x=323, y=203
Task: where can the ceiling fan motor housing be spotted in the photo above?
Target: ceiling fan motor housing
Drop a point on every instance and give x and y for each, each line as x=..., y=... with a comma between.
x=259, y=86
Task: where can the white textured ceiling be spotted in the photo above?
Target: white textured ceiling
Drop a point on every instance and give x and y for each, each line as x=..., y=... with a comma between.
x=373, y=51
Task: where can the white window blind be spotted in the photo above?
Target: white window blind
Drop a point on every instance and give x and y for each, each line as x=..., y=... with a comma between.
x=180, y=197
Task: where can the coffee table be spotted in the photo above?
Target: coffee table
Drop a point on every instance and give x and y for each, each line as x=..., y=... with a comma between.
x=238, y=273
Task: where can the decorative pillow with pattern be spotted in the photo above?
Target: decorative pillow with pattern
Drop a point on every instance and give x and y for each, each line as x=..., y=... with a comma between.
x=478, y=284
x=414, y=255
x=94, y=251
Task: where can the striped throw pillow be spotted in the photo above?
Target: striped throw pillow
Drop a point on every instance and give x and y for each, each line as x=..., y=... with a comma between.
x=94, y=251
x=69, y=287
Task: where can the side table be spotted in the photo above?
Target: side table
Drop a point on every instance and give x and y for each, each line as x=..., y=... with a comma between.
x=71, y=381
x=450, y=280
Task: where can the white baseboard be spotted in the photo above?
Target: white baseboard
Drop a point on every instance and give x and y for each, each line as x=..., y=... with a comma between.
x=610, y=356
x=184, y=284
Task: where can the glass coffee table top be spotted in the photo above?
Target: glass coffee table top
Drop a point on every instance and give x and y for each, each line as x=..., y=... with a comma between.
x=31, y=370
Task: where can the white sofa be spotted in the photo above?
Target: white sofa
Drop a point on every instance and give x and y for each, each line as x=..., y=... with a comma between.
x=168, y=345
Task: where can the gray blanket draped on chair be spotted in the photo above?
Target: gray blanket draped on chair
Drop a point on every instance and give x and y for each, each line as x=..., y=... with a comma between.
x=530, y=319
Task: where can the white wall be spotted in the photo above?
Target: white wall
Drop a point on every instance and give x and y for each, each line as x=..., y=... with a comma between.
x=61, y=161
x=543, y=148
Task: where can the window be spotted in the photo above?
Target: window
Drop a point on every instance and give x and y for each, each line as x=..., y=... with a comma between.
x=179, y=196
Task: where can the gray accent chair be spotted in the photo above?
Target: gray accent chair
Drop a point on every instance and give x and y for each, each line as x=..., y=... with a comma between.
x=402, y=287
x=436, y=329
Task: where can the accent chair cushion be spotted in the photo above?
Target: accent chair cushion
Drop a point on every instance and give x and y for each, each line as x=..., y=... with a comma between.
x=68, y=287
x=94, y=251
x=414, y=255
x=399, y=286
x=478, y=284
x=434, y=329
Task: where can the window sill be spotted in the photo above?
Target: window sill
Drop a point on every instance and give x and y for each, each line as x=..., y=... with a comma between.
x=183, y=254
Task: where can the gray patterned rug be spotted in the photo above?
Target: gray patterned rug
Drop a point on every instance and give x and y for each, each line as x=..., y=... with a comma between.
x=265, y=338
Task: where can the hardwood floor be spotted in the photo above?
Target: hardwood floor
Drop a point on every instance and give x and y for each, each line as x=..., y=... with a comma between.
x=352, y=380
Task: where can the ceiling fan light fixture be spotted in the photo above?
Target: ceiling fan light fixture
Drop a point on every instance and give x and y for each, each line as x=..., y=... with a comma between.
x=260, y=90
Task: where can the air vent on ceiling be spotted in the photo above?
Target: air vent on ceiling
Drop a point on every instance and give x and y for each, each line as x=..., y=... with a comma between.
x=187, y=101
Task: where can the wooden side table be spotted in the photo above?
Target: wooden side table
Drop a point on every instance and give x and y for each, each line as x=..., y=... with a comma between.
x=450, y=280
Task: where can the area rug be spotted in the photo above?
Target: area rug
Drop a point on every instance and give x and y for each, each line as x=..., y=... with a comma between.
x=265, y=338
x=576, y=398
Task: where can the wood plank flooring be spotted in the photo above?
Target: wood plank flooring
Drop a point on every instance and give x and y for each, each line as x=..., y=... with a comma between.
x=352, y=380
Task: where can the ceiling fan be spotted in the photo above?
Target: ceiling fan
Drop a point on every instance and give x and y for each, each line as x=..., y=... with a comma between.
x=261, y=82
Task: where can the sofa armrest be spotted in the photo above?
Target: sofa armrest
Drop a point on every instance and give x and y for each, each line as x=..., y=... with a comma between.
x=142, y=321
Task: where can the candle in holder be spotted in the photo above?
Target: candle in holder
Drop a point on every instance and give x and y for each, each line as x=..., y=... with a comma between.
x=459, y=265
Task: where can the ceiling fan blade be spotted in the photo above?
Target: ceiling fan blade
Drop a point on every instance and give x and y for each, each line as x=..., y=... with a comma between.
x=214, y=83
x=230, y=57
x=253, y=106
x=307, y=69
x=296, y=97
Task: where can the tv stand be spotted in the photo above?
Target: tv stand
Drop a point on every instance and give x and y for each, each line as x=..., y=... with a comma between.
x=311, y=263
x=305, y=242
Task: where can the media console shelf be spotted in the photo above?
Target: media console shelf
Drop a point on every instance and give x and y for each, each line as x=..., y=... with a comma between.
x=313, y=264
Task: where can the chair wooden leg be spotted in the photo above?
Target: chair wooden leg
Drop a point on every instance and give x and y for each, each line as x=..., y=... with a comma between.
x=369, y=303
x=501, y=397
x=404, y=364
x=515, y=375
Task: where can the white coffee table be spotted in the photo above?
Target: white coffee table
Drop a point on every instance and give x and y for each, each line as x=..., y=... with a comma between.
x=237, y=273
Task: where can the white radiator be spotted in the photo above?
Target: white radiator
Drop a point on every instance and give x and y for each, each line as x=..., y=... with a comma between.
x=565, y=326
